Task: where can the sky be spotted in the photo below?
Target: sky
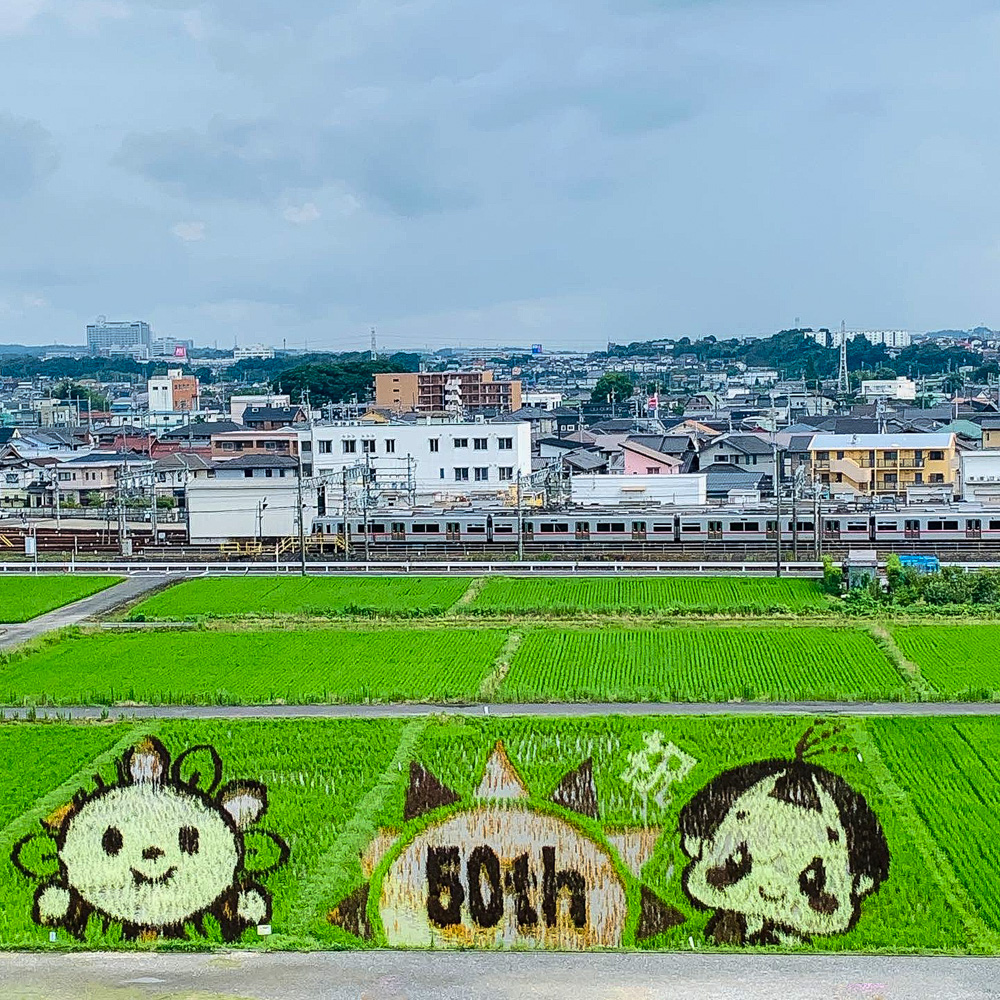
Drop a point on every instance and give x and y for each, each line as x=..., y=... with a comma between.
x=564, y=172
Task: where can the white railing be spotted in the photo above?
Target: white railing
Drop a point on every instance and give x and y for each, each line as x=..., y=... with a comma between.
x=340, y=568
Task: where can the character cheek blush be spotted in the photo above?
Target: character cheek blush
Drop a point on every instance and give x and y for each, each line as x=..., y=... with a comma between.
x=112, y=841
x=187, y=839
x=737, y=866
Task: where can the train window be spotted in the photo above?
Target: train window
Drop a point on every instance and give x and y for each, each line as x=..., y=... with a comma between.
x=662, y=527
x=553, y=529
x=685, y=526
x=806, y=525
x=503, y=529
x=857, y=525
x=887, y=526
x=933, y=525
x=744, y=526
x=950, y=525
x=429, y=528
x=377, y=529
x=476, y=529
x=994, y=525
x=833, y=525
x=771, y=525
x=610, y=526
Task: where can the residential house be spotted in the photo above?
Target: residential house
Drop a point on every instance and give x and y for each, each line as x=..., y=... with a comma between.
x=98, y=474
x=234, y=444
x=271, y=418
x=876, y=464
x=741, y=451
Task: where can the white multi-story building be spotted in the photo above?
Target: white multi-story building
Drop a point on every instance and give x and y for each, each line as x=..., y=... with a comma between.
x=889, y=388
x=452, y=458
x=261, y=351
x=890, y=338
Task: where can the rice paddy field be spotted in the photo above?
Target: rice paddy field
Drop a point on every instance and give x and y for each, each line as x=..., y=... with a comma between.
x=295, y=666
x=701, y=664
x=26, y=597
x=349, y=801
x=222, y=597
x=647, y=595
x=456, y=663
x=958, y=661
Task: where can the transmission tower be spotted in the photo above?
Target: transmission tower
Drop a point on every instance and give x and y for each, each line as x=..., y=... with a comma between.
x=374, y=347
x=842, y=384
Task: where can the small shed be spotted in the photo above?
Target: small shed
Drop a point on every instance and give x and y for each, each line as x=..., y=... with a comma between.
x=862, y=567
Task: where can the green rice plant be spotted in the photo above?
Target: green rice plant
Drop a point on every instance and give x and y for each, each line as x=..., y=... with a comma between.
x=294, y=666
x=701, y=664
x=948, y=769
x=255, y=596
x=647, y=595
x=338, y=794
x=954, y=659
x=25, y=597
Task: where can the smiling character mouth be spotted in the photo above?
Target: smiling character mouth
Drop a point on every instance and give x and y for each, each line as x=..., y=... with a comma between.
x=163, y=879
x=770, y=899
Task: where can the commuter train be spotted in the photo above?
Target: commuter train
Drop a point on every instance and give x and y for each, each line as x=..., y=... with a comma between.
x=585, y=528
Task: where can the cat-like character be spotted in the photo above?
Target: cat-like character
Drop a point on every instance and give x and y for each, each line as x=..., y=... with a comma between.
x=163, y=847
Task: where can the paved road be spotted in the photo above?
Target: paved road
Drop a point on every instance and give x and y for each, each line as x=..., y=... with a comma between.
x=491, y=976
x=561, y=709
x=72, y=614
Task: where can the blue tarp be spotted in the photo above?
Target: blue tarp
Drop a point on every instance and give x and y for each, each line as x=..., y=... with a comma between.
x=922, y=564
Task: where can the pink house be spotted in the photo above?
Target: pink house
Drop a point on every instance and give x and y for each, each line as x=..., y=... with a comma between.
x=643, y=461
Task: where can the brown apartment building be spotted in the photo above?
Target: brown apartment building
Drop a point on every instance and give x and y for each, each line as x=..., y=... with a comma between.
x=428, y=392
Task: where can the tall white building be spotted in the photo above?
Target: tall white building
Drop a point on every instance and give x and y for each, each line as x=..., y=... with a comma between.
x=455, y=458
x=890, y=338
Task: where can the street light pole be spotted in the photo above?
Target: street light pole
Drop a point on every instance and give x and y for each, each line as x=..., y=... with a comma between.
x=520, y=521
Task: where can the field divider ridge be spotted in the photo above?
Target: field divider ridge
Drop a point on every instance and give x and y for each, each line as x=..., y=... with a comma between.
x=471, y=592
x=316, y=895
x=27, y=821
x=934, y=857
x=908, y=670
x=501, y=667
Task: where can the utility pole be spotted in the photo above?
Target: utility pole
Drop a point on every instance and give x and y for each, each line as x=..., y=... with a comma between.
x=777, y=511
x=817, y=527
x=520, y=521
x=347, y=527
x=152, y=508
x=302, y=530
x=795, y=516
x=364, y=499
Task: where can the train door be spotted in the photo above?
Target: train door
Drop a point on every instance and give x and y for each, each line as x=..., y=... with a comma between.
x=638, y=531
x=771, y=529
x=714, y=530
x=831, y=529
x=583, y=531
x=911, y=528
x=489, y=527
x=528, y=529
x=453, y=531
x=398, y=531
x=973, y=528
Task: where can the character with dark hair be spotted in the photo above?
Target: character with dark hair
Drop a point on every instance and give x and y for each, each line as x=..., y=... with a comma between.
x=781, y=850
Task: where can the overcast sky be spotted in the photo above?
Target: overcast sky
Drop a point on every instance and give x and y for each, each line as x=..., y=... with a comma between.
x=457, y=171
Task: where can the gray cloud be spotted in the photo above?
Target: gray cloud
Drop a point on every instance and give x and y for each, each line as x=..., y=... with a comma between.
x=27, y=156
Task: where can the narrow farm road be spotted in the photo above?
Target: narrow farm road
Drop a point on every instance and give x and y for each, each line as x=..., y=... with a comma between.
x=542, y=711
x=439, y=975
x=72, y=614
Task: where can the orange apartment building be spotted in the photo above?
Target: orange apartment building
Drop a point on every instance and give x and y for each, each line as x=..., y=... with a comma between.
x=428, y=392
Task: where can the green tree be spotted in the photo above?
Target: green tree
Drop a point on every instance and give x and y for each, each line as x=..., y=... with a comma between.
x=334, y=382
x=615, y=386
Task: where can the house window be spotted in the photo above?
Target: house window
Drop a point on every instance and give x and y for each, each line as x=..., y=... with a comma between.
x=435, y=444
x=652, y=470
x=505, y=444
x=350, y=447
x=441, y=473
x=506, y=473
x=892, y=456
x=390, y=446
x=937, y=477
x=461, y=475
x=368, y=446
x=480, y=444
x=325, y=447
x=461, y=442
x=307, y=446
x=482, y=474
x=269, y=473
x=248, y=473
x=937, y=456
